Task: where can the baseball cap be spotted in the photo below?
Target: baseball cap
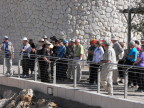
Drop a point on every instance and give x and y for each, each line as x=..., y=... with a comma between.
x=66, y=41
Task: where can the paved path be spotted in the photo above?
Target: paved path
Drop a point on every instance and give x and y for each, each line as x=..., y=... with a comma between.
x=118, y=89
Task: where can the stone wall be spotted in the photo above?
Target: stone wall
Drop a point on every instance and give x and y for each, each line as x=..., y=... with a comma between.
x=84, y=19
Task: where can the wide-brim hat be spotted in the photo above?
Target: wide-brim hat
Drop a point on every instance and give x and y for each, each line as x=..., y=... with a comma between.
x=41, y=40
x=6, y=37
x=114, y=38
x=25, y=39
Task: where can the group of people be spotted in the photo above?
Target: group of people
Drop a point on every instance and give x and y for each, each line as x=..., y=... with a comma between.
x=103, y=56
x=46, y=52
x=112, y=60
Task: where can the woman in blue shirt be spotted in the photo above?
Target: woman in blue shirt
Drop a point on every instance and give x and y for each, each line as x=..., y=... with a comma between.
x=130, y=59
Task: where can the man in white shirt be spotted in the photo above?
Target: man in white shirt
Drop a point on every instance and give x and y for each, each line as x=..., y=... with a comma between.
x=109, y=59
x=25, y=50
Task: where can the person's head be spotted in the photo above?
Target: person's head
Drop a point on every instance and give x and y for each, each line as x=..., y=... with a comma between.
x=93, y=42
x=106, y=44
x=25, y=40
x=31, y=41
x=66, y=42
x=46, y=46
x=41, y=42
x=73, y=42
x=61, y=42
x=114, y=39
x=77, y=42
x=132, y=44
x=57, y=43
x=5, y=38
x=137, y=43
x=98, y=43
x=142, y=47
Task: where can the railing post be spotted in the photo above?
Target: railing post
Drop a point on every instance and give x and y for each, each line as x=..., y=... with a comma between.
x=75, y=76
x=126, y=84
x=54, y=73
x=19, y=62
x=3, y=65
x=35, y=70
x=98, y=81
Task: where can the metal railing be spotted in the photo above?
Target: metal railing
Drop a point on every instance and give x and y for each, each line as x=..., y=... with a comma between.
x=61, y=65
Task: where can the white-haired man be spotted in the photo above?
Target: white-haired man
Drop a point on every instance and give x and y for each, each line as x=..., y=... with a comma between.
x=109, y=58
x=8, y=49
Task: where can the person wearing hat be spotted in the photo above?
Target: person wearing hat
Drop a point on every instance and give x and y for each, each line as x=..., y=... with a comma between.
x=38, y=52
x=25, y=51
x=90, y=57
x=78, y=55
x=117, y=47
x=32, y=56
x=94, y=66
x=61, y=68
x=44, y=62
x=108, y=68
x=8, y=49
x=71, y=46
x=118, y=50
x=47, y=42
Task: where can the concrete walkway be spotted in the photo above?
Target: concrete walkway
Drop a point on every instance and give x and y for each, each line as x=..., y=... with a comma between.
x=118, y=89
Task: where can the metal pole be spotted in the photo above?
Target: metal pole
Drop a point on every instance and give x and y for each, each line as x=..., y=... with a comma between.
x=75, y=76
x=129, y=24
x=19, y=61
x=54, y=73
x=98, y=81
x=4, y=66
x=126, y=84
x=35, y=70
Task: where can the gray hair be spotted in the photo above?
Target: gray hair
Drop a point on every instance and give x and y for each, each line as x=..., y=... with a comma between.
x=132, y=43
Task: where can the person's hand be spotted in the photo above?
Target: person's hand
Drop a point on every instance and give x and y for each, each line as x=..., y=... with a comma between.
x=49, y=62
x=100, y=62
x=23, y=50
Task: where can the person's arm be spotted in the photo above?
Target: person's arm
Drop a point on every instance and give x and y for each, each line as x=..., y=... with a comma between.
x=46, y=59
x=12, y=51
x=1, y=45
x=81, y=52
x=138, y=60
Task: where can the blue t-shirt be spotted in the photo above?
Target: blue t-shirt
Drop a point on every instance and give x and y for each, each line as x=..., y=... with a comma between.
x=134, y=53
x=61, y=51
